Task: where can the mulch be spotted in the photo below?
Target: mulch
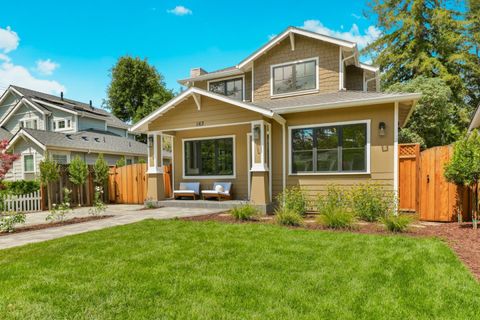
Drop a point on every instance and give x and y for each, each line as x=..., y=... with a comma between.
x=55, y=224
x=461, y=237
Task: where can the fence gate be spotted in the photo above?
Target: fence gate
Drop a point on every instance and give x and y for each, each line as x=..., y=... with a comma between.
x=128, y=184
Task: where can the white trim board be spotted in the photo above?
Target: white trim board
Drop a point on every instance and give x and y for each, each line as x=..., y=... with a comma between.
x=331, y=173
x=234, y=176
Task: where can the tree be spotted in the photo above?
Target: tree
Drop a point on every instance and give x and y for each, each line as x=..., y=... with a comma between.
x=78, y=171
x=424, y=38
x=464, y=166
x=136, y=89
x=101, y=170
x=49, y=173
x=473, y=27
x=437, y=119
x=6, y=159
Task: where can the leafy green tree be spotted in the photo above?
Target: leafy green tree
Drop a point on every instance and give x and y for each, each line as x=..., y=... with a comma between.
x=438, y=119
x=121, y=162
x=78, y=171
x=424, y=38
x=49, y=173
x=473, y=27
x=101, y=170
x=136, y=89
x=464, y=166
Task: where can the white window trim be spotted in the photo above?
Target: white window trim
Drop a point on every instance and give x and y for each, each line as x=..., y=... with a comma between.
x=34, y=163
x=295, y=93
x=56, y=120
x=334, y=173
x=60, y=153
x=230, y=78
x=210, y=177
x=25, y=119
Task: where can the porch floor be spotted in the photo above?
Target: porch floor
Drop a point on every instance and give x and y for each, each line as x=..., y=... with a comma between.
x=208, y=204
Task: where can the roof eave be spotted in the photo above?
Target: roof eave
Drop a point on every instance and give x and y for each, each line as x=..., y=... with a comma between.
x=347, y=104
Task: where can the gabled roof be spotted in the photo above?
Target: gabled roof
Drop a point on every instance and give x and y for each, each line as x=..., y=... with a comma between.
x=47, y=102
x=141, y=126
x=83, y=141
x=240, y=67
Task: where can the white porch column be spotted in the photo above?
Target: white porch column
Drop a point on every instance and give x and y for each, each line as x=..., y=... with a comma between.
x=156, y=188
x=260, y=193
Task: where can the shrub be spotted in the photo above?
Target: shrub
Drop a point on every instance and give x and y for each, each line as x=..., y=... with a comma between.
x=369, y=202
x=396, y=223
x=149, y=204
x=121, y=162
x=288, y=217
x=98, y=206
x=334, y=198
x=20, y=187
x=244, y=212
x=336, y=218
x=59, y=211
x=293, y=199
x=8, y=221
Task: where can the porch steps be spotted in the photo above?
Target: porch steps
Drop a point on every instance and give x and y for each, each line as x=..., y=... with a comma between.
x=205, y=204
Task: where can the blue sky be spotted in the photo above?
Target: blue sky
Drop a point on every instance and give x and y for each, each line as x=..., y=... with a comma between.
x=70, y=46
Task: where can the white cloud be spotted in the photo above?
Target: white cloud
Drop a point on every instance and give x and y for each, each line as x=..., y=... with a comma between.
x=11, y=73
x=180, y=11
x=357, y=16
x=369, y=35
x=8, y=40
x=46, y=67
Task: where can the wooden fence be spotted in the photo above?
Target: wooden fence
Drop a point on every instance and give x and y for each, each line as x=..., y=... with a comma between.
x=23, y=203
x=423, y=187
x=128, y=184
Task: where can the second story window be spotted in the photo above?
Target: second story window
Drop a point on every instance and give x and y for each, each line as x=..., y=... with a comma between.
x=294, y=77
x=60, y=124
x=29, y=124
x=232, y=88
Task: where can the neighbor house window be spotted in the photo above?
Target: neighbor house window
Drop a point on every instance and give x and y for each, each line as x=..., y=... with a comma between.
x=209, y=157
x=335, y=148
x=29, y=124
x=60, y=124
x=232, y=88
x=294, y=77
x=28, y=163
x=60, y=158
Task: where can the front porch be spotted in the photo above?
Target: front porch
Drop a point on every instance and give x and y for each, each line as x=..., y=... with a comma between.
x=212, y=142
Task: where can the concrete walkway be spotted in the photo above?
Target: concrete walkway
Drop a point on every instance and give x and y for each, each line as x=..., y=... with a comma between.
x=122, y=214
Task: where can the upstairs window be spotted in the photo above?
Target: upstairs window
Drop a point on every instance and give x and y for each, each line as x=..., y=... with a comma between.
x=232, y=88
x=61, y=124
x=294, y=77
x=29, y=124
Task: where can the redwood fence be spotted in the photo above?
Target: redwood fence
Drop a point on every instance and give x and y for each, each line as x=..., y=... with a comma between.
x=423, y=188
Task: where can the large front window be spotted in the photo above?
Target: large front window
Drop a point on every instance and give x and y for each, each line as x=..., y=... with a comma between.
x=294, y=77
x=336, y=148
x=232, y=88
x=209, y=157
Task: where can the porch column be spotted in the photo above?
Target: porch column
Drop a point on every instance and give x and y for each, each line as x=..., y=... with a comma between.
x=260, y=188
x=155, y=185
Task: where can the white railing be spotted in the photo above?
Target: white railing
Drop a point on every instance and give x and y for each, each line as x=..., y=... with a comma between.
x=25, y=203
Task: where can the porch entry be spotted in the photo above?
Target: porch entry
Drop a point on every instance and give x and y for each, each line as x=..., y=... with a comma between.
x=204, y=157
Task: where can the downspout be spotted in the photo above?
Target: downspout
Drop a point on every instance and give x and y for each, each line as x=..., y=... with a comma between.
x=343, y=71
x=284, y=162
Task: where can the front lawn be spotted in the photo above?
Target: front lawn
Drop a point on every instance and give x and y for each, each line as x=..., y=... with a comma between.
x=209, y=270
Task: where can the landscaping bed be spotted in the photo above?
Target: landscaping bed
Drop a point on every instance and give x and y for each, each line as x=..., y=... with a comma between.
x=462, y=238
x=55, y=224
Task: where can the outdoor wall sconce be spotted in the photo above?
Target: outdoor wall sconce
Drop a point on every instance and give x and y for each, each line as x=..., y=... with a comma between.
x=381, y=129
x=150, y=141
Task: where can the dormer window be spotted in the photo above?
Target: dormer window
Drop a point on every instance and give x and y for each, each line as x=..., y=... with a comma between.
x=62, y=124
x=232, y=88
x=29, y=124
x=294, y=77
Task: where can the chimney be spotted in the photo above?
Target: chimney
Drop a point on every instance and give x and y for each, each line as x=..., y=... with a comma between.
x=195, y=72
x=61, y=95
x=91, y=105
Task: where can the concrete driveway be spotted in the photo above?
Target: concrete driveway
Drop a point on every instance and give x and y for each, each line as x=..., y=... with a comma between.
x=122, y=214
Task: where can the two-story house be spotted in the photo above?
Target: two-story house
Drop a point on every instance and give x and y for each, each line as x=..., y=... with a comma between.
x=300, y=111
x=36, y=124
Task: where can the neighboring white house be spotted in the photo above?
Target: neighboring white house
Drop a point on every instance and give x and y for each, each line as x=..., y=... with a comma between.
x=35, y=122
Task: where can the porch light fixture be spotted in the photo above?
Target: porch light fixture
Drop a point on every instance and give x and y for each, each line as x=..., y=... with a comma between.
x=381, y=129
x=150, y=141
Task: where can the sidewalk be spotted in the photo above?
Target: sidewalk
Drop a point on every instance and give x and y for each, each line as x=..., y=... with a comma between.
x=122, y=214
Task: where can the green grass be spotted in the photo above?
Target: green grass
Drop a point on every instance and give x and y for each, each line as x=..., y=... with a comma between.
x=192, y=270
